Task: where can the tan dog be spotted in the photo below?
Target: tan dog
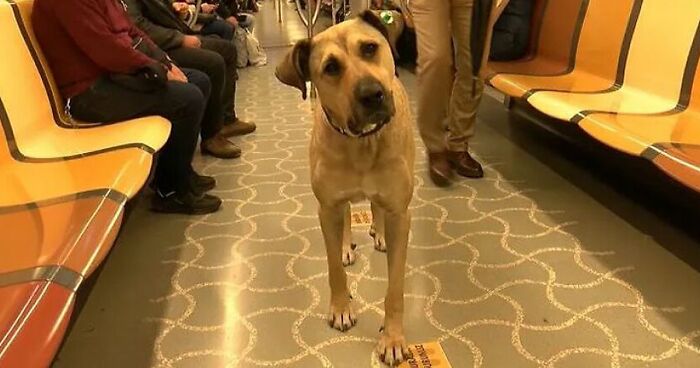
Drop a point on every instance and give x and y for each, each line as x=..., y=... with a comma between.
x=361, y=148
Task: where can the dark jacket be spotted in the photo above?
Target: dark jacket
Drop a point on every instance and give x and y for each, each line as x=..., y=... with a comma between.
x=228, y=8
x=84, y=40
x=511, y=33
x=158, y=20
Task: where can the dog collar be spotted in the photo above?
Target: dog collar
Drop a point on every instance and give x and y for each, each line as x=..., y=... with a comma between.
x=346, y=133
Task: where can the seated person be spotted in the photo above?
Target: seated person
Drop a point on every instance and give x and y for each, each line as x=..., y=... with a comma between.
x=234, y=15
x=248, y=5
x=101, y=61
x=204, y=20
x=511, y=33
x=212, y=55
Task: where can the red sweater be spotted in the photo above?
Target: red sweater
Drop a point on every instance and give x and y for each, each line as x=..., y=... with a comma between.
x=86, y=39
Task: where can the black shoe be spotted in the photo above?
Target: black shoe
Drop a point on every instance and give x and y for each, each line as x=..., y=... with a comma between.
x=202, y=183
x=188, y=203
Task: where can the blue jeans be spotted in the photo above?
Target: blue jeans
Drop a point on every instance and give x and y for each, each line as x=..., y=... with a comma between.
x=218, y=27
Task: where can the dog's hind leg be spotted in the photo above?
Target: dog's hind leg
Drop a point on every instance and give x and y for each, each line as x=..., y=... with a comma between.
x=392, y=347
x=332, y=219
x=348, y=246
x=377, y=229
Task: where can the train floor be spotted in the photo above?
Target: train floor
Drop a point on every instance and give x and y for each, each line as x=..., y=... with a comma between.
x=542, y=263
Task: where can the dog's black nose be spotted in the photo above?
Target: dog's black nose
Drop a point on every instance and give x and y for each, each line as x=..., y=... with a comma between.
x=370, y=93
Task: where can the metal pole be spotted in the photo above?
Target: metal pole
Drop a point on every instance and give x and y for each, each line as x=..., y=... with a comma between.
x=334, y=10
x=278, y=4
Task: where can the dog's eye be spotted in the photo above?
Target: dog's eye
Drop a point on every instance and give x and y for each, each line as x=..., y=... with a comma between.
x=332, y=67
x=369, y=49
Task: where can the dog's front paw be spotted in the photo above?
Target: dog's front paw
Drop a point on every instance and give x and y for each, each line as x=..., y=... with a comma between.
x=342, y=318
x=392, y=349
x=349, y=255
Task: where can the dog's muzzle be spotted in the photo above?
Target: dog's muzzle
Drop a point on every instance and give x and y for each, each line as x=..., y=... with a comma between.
x=373, y=107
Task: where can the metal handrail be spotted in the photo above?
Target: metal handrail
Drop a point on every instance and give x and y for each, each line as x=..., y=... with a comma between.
x=304, y=18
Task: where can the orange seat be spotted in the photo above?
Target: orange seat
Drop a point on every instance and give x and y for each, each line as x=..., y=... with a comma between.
x=74, y=232
x=33, y=319
x=557, y=31
x=670, y=139
x=63, y=194
x=654, y=71
x=680, y=161
x=607, y=27
x=29, y=180
x=27, y=97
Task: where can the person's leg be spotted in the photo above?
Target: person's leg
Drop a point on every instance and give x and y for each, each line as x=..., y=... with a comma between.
x=220, y=28
x=232, y=125
x=357, y=6
x=435, y=71
x=466, y=94
x=215, y=143
x=183, y=105
x=212, y=64
x=228, y=53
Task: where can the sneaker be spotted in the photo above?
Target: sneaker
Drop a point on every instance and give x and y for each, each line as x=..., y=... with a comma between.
x=188, y=203
x=220, y=147
x=237, y=127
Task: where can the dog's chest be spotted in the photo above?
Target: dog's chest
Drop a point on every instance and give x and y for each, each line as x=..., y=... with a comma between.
x=358, y=186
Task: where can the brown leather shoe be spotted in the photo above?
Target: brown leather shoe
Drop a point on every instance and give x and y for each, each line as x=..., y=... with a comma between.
x=439, y=168
x=465, y=165
x=220, y=147
x=237, y=127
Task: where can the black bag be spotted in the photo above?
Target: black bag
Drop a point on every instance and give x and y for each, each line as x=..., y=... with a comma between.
x=150, y=78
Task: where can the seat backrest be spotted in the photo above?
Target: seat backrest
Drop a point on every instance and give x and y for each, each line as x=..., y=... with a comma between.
x=27, y=88
x=608, y=25
x=660, y=48
x=557, y=31
x=25, y=21
x=538, y=10
x=5, y=156
x=21, y=87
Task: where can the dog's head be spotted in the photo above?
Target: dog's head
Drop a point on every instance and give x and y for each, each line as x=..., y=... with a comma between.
x=352, y=67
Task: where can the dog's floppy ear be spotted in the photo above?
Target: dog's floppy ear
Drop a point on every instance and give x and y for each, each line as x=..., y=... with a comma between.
x=294, y=69
x=371, y=18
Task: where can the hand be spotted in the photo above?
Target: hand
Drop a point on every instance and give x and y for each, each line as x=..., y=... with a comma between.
x=232, y=21
x=176, y=75
x=191, y=42
x=208, y=8
x=180, y=7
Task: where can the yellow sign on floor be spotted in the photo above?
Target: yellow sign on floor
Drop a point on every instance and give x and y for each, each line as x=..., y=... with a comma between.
x=428, y=355
x=361, y=218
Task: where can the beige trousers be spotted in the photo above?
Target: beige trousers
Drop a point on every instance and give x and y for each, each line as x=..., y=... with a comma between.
x=357, y=6
x=446, y=107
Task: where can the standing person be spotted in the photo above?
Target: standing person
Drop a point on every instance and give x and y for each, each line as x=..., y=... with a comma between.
x=357, y=6
x=446, y=116
x=88, y=45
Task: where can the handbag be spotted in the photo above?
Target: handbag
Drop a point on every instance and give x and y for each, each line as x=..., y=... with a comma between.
x=256, y=54
x=150, y=78
x=239, y=42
